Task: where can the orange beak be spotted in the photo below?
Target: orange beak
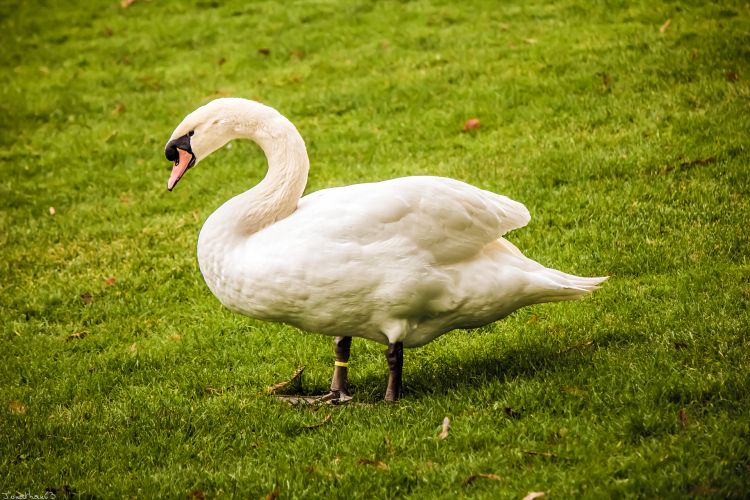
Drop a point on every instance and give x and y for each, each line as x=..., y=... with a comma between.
x=184, y=162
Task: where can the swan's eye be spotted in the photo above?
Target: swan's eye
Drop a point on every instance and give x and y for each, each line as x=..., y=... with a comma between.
x=191, y=133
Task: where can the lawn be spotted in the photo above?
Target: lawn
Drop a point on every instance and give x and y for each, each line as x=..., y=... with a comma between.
x=623, y=127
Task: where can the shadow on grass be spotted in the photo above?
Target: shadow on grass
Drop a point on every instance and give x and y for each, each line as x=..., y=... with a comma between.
x=475, y=366
x=447, y=373
x=525, y=363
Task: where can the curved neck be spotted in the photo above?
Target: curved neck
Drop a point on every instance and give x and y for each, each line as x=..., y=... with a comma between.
x=277, y=195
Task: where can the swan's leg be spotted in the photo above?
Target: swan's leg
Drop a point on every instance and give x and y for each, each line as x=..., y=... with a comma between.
x=340, y=381
x=395, y=356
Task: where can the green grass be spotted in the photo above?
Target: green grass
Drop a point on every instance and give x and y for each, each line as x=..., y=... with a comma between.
x=628, y=145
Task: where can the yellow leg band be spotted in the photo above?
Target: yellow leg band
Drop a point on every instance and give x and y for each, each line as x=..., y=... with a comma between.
x=341, y=363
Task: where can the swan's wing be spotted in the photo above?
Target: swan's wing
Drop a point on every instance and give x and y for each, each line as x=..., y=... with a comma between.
x=448, y=219
x=454, y=220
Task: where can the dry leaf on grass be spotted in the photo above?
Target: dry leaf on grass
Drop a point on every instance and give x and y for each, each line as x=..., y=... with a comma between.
x=665, y=25
x=531, y=41
x=576, y=346
x=87, y=298
x=317, y=400
x=321, y=423
x=683, y=417
x=574, y=391
x=446, y=428
x=110, y=281
x=533, y=494
x=702, y=489
x=76, y=336
x=375, y=463
x=547, y=454
x=298, y=400
x=17, y=407
x=264, y=51
x=286, y=383
x=126, y=3
x=471, y=124
x=274, y=494
x=474, y=477
x=690, y=163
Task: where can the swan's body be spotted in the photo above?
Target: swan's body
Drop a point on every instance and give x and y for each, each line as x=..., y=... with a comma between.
x=398, y=262
x=392, y=261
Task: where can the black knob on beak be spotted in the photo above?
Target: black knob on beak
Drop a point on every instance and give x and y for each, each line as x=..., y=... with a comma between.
x=171, y=152
x=181, y=142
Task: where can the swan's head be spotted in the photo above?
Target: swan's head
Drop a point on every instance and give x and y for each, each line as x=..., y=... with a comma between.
x=201, y=133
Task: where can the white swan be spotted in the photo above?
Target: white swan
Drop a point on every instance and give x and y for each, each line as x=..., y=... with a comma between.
x=399, y=262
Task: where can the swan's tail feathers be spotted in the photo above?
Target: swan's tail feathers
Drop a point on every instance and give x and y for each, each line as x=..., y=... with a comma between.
x=553, y=286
